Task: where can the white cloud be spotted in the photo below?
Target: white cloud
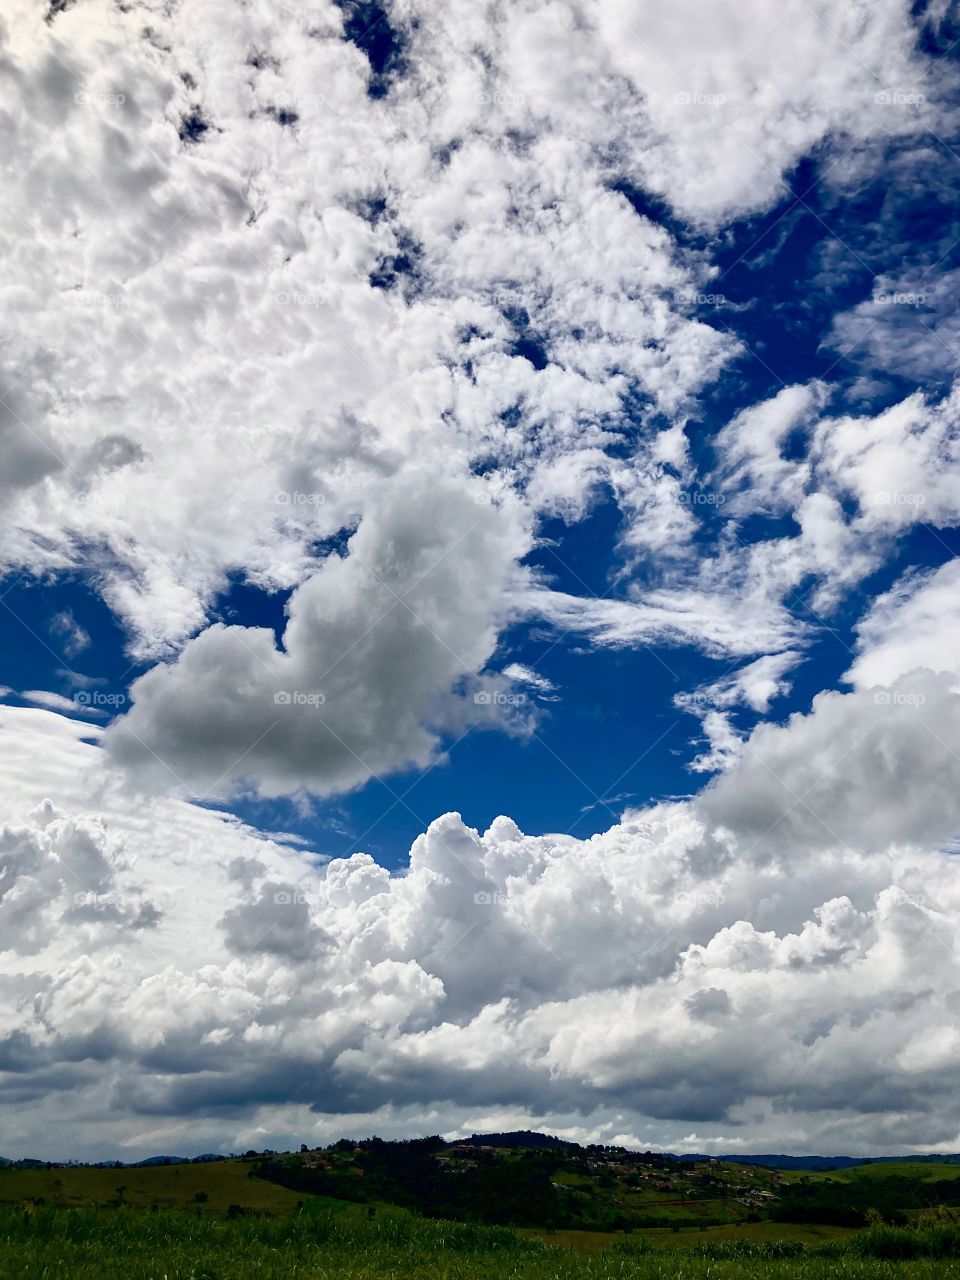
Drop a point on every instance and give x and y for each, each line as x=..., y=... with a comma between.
x=724, y=743
x=374, y=642
x=618, y=980
x=734, y=97
x=279, y=344
x=863, y=770
x=220, y=368
x=57, y=702
x=713, y=703
x=754, y=685
x=670, y=616
x=75, y=638
x=758, y=683
x=908, y=326
x=901, y=466
x=226, y=284
x=208, y=303
x=756, y=476
x=915, y=624
x=735, y=596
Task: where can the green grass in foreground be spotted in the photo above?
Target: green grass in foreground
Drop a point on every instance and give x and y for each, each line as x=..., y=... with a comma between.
x=916, y=1172
x=690, y=1237
x=85, y=1244
x=172, y=1186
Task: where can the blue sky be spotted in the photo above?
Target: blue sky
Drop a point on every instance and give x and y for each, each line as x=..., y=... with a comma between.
x=611, y=737
x=549, y=414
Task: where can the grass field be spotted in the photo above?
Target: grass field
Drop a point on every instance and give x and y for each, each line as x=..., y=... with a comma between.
x=173, y=1186
x=691, y=1237
x=85, y=1244
x=213, y=1221
x=921, y=1172
x=899, y=1169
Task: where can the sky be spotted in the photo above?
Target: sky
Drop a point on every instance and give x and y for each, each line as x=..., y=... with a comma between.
x=479, y=597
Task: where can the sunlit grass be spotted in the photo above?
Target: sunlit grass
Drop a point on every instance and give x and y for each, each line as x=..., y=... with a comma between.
x=80, y=1244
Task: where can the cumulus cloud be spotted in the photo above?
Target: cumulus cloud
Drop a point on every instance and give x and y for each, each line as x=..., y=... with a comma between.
x=276, y=922
x=908, y=326
x=733, y=101
x=59, y=874
x=862, y=771
x=309, y=363
x=900, y=465
x=755, y=473
x=351, y=337
x=850, y=484
x=373, y=640
x=305, y=287
x=915, y=624
x=500, y=972
x=723, y=743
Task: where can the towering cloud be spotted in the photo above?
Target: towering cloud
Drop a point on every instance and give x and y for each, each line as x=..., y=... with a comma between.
x=342, y=371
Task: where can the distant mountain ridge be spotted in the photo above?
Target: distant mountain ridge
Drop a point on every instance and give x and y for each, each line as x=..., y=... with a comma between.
x=517, y=1138
x=547, y=1141
x=29, y=1162
x=819, y=1163
x=529, y=1138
